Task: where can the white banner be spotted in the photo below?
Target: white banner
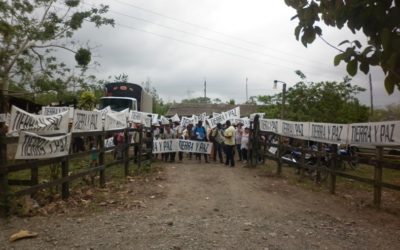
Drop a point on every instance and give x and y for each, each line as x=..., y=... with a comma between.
x=109, y=143
x=244, y=121
x=233, y=113
x=178, y=145
x=329, y=132
x=164, y=120
x=87, y=121
x=115, y=121
x=33, y=146
x=57, y=110
x=270, y=125
x=104, y=111
x=299, y=130
x=154, y=119
x=203, y=117
x=41, y=124
x=175, y=118
x=375, y=133
x=212, y=122
x=186, y=121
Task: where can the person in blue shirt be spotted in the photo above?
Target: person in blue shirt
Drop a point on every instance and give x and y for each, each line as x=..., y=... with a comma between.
x=200, y=134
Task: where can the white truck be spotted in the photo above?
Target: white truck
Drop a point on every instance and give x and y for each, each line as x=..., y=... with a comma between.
x=121, y=95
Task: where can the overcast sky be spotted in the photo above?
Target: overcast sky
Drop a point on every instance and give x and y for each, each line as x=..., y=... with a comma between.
x=178, y=44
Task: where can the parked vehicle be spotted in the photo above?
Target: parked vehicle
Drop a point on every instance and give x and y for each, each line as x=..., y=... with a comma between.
x=121, y=95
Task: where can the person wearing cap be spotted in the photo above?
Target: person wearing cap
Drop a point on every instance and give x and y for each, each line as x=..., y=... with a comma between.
x=229, y=141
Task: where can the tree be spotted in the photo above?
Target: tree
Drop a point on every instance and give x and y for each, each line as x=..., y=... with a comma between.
x=319, y=102
x=197, y=100
x=87, y=100
x=33, y=31
x=389, y=113
x=377, y=19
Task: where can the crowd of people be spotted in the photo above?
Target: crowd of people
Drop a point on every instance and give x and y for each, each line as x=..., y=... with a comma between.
x=229, y=141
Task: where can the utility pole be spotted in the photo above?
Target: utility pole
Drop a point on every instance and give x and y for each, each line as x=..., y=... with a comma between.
x=247, y=93
x=372, y=98
x=205, y=89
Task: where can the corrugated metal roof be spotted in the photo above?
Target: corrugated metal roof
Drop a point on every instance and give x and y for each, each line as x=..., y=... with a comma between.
x=189, y=109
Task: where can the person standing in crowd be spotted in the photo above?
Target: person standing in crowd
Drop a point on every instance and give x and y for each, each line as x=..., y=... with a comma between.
x=244, y=146
x=168, y=134
x=179, y=135
x=218, y=142
x=229, y=141
x=200, y=135
x=238, y=140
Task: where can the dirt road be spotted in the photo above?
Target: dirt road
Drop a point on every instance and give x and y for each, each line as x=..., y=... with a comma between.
x=210, y=206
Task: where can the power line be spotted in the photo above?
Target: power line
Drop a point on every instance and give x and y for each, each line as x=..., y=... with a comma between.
x=202, y=46
x=207, y=38
x=211, y=30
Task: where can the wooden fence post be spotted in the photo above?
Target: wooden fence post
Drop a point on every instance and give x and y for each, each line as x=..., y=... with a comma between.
x=279, y=155
x=139, y=155
x=378, y=178
x=319, y=165
x=64, y=173
x=101, y=160
x=126, y=152
x=333, y=168
x=4, y=188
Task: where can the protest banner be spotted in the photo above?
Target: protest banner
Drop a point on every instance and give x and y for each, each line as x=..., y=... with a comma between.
x=56, y=110
x=41, y=124
x=202, y=117
x=164, y=120
x=329, y=132
x=154, y=119
x=375, y=133
x=299, y=130
x=135, y=116
x=175, y=118
x=195, y=119
x=270, y=125
x=185, y=121
x=87, y=121
x=212, y=122
x=109, y=142
x=244, y=121
x=179, y=145
x=233, y=113
x=33, y=146
x=115, y=121
x=104, y=111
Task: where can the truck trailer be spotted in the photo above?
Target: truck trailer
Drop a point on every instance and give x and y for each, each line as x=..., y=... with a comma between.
x=122, y=95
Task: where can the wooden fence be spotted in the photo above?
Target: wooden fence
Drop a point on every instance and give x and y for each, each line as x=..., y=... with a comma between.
x=376, y=158
x=32, y=185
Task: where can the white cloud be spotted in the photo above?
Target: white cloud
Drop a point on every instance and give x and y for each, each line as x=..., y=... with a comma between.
x=229, y=41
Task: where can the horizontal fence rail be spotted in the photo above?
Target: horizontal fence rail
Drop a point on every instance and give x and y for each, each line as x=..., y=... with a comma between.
x=63, y=163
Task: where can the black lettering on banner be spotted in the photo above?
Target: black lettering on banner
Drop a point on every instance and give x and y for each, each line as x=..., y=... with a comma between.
x=203, y=147
x=361, y=133
x=167, y=145
x=33, y=146
x=386, y=132
x=185, y=145
x=318, y=131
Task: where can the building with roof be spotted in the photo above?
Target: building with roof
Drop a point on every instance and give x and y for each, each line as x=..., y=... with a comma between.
x=189, y=109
